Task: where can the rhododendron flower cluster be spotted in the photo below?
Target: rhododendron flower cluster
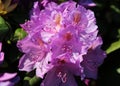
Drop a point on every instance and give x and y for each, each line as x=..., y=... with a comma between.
x=62, y=41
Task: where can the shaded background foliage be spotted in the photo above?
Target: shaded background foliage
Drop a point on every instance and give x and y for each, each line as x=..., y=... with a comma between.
x=107, y=14
x=108, y=19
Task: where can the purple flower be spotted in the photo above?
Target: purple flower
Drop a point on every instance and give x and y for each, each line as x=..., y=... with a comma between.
x=62, y=75
x=45, y=2
x=87, y=3
x=93, y=59
x=36, y=55
x=1, y=54
x=67, y=44
x=8, y=79
x=57, y=36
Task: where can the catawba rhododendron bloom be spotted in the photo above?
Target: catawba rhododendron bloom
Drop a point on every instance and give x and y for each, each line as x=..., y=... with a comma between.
x=59, y=37
x=93, y=59
x=62, y=75
x=87, y=3
x=1, y=54
x=8, y=79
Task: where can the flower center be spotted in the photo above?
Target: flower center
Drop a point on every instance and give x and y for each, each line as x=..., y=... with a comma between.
x=68, y=36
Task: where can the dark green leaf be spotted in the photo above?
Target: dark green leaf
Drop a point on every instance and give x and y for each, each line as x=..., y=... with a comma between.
x=4, y=28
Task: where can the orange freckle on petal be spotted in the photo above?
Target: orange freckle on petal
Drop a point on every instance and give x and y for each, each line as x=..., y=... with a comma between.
x=77, y=17
x=40, y=42
x=57, y=19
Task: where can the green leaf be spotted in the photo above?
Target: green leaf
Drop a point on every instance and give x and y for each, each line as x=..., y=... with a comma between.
x=118, y=36
x=114, y=46
x=19, y=34
x=4, y=28
x=118, y=70
x=116, y=9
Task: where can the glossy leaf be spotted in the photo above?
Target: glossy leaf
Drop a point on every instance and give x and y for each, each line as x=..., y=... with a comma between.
x=114, y=46
x=4, y=28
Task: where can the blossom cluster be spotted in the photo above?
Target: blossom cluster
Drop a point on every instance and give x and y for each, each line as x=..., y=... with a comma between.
x=62, y=41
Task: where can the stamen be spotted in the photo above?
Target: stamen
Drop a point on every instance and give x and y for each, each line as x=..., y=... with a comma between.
x=64, y=78
x=59, y=75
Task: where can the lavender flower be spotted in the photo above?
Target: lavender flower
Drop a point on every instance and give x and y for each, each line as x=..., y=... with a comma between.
x=93, y=59
x=88, y=3
x=62, y=75
x=36, y=54
x=57, y=36
x=1, y=54
x=7, y=79
x=45, y=2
